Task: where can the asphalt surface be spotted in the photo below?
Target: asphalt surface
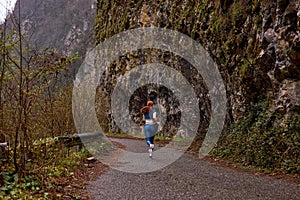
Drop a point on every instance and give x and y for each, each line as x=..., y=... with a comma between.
x=189, y=178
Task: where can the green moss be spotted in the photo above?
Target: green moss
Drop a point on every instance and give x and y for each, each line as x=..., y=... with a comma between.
x=216, y=24
x=244, y=67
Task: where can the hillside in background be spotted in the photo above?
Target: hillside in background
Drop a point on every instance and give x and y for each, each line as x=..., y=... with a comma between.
x=66, y=26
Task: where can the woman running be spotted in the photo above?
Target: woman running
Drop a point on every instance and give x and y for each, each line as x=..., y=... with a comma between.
x=151, y=125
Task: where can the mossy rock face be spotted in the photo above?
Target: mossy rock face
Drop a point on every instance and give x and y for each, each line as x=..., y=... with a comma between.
x=241, y=36
x=254, y=43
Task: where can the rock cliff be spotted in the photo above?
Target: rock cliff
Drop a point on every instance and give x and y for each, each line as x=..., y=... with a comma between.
x=256, y=45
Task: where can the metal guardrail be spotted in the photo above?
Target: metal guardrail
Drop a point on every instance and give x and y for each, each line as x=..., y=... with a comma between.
x=4, y=144
x=67, y=141
x=76, y=139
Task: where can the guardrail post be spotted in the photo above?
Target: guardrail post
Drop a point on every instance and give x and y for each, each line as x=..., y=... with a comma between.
x=2, y=151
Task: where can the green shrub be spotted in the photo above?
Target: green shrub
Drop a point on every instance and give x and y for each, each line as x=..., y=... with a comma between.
x=263, y=139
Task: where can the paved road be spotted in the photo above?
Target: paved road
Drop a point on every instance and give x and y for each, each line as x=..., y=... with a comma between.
x=189, y=178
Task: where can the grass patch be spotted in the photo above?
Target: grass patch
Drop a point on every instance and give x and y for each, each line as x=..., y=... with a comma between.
x=125, y=135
